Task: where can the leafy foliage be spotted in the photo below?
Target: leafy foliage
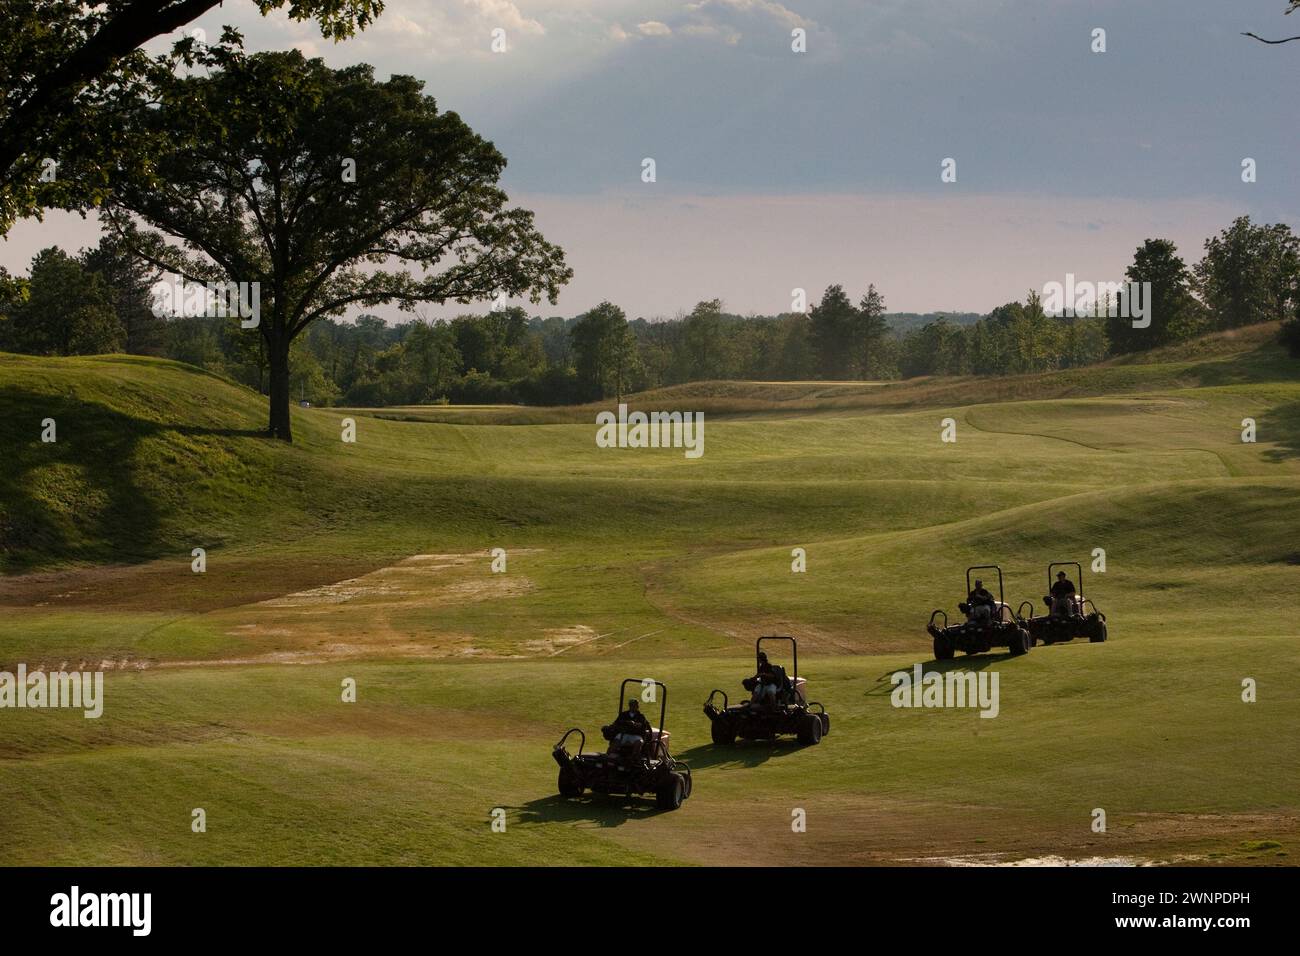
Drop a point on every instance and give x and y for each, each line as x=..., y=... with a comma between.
x=259, y=189
x=67, y=70
x=65, y=310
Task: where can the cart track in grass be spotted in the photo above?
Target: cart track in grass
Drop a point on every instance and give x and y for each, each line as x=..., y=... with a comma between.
x=1029, y=434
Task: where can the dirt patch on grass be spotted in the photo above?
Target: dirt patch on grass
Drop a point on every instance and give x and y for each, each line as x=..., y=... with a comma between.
x=234, y=580
x=419, y=579
x=558, y=639
x=851, y=830
x=230, y=581
x=339, y=651
x=388, y=611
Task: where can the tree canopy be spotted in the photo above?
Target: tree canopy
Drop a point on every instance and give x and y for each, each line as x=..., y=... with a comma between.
x=65, y=310
x=67, y=67
x=324, y=189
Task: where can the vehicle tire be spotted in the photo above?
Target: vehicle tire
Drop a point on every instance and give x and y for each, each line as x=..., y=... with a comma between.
x=724, y=731
x=672, y=793
x=943, y=649
x=826, y=723
x=570, y=785
x=1019, y=642
x=1098, y=634
x=810, y=729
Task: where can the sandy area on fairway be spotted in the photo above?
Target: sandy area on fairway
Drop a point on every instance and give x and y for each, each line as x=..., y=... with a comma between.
x=857, y=830
x=415, y=579
x=396, y=610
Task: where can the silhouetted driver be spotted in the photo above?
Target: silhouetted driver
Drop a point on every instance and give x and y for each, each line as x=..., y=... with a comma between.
x=766, y=682
x=1061, y=599
x=980, y=603
x=630, y=730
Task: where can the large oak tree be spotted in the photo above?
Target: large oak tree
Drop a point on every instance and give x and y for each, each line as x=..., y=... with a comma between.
x=330, y=190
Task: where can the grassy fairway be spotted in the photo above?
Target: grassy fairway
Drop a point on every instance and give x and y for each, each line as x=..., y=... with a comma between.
x=371, y=561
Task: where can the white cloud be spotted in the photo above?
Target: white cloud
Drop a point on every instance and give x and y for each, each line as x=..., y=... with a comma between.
x=444, y=30
x=653, y=28
x=765, y=7
x=503, y=13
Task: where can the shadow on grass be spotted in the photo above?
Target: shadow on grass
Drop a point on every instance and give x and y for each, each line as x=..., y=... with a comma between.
x=1281, y=425
x=1267, y=363
x=883, y=686
x=743, y=753
x=603, y=810
x=218, y=432
x=81, y=496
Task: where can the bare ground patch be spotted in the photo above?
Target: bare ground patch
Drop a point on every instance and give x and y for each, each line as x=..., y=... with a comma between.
x=419, y=579
x=230, y=581
x=863, y=830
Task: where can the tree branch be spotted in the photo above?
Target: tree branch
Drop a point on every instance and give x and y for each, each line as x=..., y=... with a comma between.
x=1262, y=40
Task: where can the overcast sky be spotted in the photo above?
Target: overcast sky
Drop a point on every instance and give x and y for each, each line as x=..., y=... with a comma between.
x=778, y=170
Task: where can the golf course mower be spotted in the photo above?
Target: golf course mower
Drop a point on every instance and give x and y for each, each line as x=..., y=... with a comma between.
x=988, y=623
x=1069, y=613
x=779, y=704
x=637, y=760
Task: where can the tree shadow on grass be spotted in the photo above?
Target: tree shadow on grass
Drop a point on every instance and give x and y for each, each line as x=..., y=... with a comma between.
x=597, y=808
x=1265, y=363
x=80, y=497
x=743, y=753
x=883, y=686
x=1281, y=425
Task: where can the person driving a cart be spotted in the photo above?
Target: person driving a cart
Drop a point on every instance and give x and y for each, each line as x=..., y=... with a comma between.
x=981, y=603
x=631, y=729
x=1062, y=596
x=768, y=681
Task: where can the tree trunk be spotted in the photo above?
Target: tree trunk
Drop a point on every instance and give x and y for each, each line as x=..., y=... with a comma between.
x=279, y=423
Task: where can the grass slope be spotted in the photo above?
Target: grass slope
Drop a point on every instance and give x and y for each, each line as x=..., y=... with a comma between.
x=370, y=560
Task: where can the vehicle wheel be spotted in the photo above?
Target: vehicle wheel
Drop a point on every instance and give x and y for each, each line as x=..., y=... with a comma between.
x=943, y=649
x=672, y=793
x=810, y=729
x=724, y=731
x=826, y=723
x=1019, y=642
x=570, y=785
x=1098, y=634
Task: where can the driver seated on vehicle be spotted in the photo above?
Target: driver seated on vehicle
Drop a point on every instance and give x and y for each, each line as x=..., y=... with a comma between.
x=767, y=683
x=1061, y=600
x=630, y=730
x=980, y=604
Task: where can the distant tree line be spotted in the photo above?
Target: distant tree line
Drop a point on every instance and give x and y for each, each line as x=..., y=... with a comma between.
x=101, y=301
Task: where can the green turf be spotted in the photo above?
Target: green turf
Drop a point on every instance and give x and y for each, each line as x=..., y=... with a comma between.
x=223, y=688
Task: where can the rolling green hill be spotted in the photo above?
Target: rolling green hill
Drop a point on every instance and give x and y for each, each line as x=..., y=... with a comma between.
x=371, y=560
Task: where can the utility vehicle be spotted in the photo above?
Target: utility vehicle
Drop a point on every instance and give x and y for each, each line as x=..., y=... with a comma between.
x=779, y=704
x=636, y=762
x=1077, y=617
x=985, y=627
